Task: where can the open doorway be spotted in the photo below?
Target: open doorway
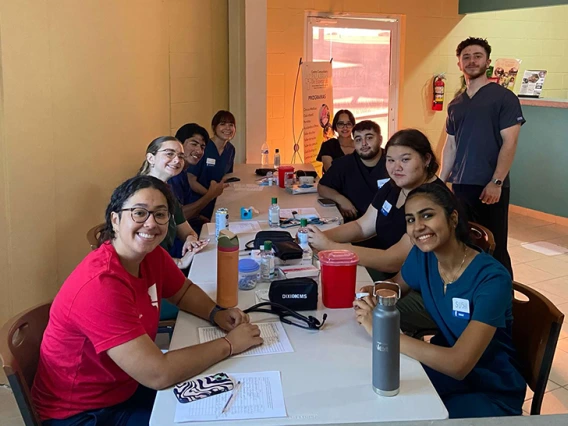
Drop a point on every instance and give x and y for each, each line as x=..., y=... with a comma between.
x=365, y=53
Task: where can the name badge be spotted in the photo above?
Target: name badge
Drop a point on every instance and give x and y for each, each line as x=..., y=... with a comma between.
x=381, y=182
x=210, y=162
x=460, y=308
x=386, y=208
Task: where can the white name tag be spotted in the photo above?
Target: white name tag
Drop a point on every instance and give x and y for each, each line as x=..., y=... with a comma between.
x=385, y=210
x=381, y=182
x=460, y=308
x=210, y=162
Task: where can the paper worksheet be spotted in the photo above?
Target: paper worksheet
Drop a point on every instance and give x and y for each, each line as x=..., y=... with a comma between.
x=248, y=227
x=275, y=339
x=260, y=397
x=248, y=187
x=307, y=213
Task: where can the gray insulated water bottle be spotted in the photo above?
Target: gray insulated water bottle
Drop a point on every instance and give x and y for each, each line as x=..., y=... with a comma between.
x=386, y=344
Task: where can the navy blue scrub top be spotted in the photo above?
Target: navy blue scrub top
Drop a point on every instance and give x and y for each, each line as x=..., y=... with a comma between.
x=476, y=124
x=180, y=187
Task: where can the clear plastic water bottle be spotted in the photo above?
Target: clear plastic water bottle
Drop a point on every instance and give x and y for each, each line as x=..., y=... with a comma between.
x=267, y=262
x=274, y=214
x=276, y=158
x=264, y=155
x=302, y=237
x=386, y=344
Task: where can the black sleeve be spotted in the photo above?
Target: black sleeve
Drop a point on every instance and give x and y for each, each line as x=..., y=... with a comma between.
x=325, y=149
x=334, y=178
x=381, y=196
x=510, y=112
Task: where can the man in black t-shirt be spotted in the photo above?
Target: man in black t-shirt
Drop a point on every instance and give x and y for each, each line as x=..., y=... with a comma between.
x=353, y=180
x=483, y=126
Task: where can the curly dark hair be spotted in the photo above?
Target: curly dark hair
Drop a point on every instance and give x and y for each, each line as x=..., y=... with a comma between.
x=474, y=41
x=126, y=190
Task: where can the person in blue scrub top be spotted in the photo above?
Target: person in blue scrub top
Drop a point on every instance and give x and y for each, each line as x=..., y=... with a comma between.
x=217, y=161
x=194, y=139
x=472, y=360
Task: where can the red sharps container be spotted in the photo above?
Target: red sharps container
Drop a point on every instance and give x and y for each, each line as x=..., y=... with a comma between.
x=282, y=170
x=338, y=277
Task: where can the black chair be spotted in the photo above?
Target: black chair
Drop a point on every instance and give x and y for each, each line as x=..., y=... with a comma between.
x=20, y=340
x=536, y=327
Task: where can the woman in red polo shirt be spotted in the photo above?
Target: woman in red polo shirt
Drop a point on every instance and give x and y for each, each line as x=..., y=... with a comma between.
x=98, y=361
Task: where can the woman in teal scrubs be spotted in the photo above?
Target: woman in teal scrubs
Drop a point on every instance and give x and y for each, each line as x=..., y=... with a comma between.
x=472, y=360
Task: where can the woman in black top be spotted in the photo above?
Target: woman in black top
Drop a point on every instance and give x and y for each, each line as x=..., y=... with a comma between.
x=410, y=163
x=343, y=123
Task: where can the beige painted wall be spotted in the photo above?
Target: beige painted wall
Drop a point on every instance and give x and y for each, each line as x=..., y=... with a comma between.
x=85, y=86
x=199, y=61
x=430, y=35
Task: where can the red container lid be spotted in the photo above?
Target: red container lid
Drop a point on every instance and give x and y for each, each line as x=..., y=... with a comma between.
x=286, y=168
x=338, y=258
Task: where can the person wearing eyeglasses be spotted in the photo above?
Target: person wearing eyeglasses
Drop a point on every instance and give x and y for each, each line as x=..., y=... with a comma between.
x=217, y=161
x=165, y=159
x=334, y=148
x=98, y=363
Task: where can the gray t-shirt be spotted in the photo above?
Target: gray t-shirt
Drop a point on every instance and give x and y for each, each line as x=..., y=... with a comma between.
x=476, y=124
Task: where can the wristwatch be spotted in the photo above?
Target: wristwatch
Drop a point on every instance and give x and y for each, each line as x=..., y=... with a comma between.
x=497, y=182
x=214, y=311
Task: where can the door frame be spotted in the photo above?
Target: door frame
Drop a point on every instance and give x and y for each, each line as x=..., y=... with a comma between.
x=365, y=21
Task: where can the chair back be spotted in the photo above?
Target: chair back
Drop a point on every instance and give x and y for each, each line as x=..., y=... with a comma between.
x=536, y=327
x=482, y=237
x=93, y=235
x=20, y=340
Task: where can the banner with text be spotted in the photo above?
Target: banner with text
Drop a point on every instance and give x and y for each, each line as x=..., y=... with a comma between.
x=317, y=93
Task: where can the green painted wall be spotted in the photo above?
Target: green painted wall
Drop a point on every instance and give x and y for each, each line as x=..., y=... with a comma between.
x=471, y=6
x=539, y=176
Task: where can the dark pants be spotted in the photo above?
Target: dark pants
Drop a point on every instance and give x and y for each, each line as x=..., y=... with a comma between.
x=135, y=411
x=495, y=217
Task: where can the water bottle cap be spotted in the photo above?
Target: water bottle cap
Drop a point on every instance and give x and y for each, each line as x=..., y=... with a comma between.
x=274, y=200
x=386, y=297
x=303, y=222
x=277, y=150
x=268, y=245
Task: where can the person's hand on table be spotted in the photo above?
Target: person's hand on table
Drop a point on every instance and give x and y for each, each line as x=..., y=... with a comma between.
x=216, y=189
x=190, y=243
x=347, y=208
x=317, y=239
x=364, y=309
x=243, y=337
x=229, y=319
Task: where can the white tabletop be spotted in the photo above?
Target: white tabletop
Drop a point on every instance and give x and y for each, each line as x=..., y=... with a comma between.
x=327, y=379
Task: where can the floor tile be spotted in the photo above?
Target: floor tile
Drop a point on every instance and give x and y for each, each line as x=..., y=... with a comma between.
x=558, y=286
x=550, y=386
x=559, y=240
x=555, y=402
x=527, y=222
x=555, y=299
x=512, y=242
x=562, y=345
x=551, y=265
x=522, y=255
x=532, y=235
x=526, y=274
x=559, y=371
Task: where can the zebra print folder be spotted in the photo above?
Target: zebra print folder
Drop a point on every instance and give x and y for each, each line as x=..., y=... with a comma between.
x=202, y=387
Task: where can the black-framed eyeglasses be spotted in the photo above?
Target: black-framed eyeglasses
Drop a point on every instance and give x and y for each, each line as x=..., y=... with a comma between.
x=171, y=154
x=341, y=124
x=141, y=215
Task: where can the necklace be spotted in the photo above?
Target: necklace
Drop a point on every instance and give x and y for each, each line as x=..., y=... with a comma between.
x=457, y=274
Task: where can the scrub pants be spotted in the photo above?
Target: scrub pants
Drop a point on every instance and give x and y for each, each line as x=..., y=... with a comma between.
x=135, y=411
x=495, y=217
x=413, y=315
x=463, y=402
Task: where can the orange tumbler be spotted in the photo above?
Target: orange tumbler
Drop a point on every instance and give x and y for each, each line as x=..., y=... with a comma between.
x=227, y=269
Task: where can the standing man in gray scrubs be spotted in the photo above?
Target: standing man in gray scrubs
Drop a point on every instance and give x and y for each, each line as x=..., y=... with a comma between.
x=482, y=129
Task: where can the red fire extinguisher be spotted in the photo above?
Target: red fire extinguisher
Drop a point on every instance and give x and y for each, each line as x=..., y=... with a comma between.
x=439, y=87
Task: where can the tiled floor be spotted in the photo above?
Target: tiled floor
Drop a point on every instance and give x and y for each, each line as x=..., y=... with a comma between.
x=548, y=274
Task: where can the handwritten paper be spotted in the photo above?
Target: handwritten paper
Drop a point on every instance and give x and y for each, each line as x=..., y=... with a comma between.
x=260, y=397
x=275, y=339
